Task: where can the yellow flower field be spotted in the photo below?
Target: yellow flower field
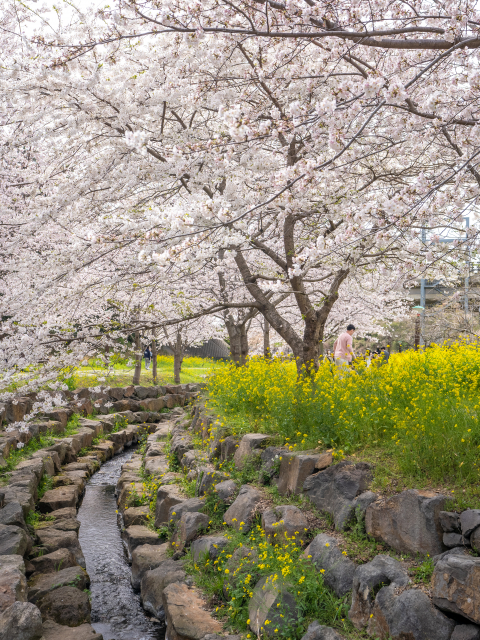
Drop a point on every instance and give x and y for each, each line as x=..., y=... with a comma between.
x=422, y=406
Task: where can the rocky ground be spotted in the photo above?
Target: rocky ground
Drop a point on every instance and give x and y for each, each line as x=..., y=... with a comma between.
x=231, y=537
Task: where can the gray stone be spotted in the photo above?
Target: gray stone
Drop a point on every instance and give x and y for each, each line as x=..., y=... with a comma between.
x=469, y=520
x=226, y=490
x=339, y=570
x=382, y=570
x=15, y=561
x=208, y=547
x=138, y=535
x=58, y=498
x=270, y=463
x=408, y=616
x=145, y=558
x=466, y=632
x=317, y=631
x=227, y=448
x=136, y=515
x=294, y=470
x=21, y=621
x=13, y=587
x=456, y=586
x=475, y=539
x=53, y=539
x=240, y=513
x=451, y=540
x=167, y=497
x=187, y=506
x=207, y=479
x=12, y=513
x=54, y=631
x=408, y=522
x=284, y=523
x=66, y=605
x=144, y=392
x=449, y=521
x=54, y=561
x=263, y=605
x=19, y=494
x=187, y=528
x=180, y=444
x=155, y=581
x=40, y=584
x=335, y=489
x=185, y=614
x=156, y=466
x=247, y=446
x=13, y=540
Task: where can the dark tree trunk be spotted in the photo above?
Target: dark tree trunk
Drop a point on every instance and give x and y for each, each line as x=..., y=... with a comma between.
x=177, y=357
x=154, y=360
x=138, y=359
x=266, y=340
x=244, y=343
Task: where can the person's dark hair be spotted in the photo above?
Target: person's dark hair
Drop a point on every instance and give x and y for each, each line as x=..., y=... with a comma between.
x=350, y=327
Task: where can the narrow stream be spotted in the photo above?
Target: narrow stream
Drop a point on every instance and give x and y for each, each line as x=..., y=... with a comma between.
x=116, y=609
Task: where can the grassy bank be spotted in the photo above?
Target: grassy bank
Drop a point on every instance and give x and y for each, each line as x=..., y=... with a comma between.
x=121, y=372
x=417, y=417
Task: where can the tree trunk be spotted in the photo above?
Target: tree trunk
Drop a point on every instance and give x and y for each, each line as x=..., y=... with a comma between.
x=138, y=359
x=235, y=343
x=243, y=343
x=154, y=359
x=177, y=358
x=266, y=340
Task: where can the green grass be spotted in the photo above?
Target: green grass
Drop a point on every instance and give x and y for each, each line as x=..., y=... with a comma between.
x=121, y=372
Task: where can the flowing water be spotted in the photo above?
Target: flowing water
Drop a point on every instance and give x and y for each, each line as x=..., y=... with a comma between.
x=116, y=609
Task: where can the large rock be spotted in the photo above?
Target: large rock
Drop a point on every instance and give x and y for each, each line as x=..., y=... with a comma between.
x=145, y=558
x=469, y=520
x=186, y=615
x=53, y=539
x=208, y=547
x=382, y=570
x=180, y=444
x=449, y=521
x=138, y=535
x=240, y=513
x=21, y=621
x=66, y=605
x=225, y=491
x=12, y=514
x=408, y=522
x=54, y=561
x=156, y=466
x=187, y=528
x=295, y=469
x=13, y=540
x=187, y=506
x=284, y=523
x=248, y=445
x=208, y=477
x=466, y=632
x=167, y=497
x=58, y=499
x=228, y=446
x=19, y=493
x=136, y=515
x=317, y=631
x=13, y=587
x=335, y=490
x=54, y=631
x=154, y=583
x=456, y=586
x=337, y=569
x=41, y=584
x=273, y=603
x=408, y=616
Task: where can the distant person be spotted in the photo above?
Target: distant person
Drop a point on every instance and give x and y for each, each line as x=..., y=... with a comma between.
x=148, y=357
x=343, y=349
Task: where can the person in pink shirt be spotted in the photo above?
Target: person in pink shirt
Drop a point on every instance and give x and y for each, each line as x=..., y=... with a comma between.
x=342, y=349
